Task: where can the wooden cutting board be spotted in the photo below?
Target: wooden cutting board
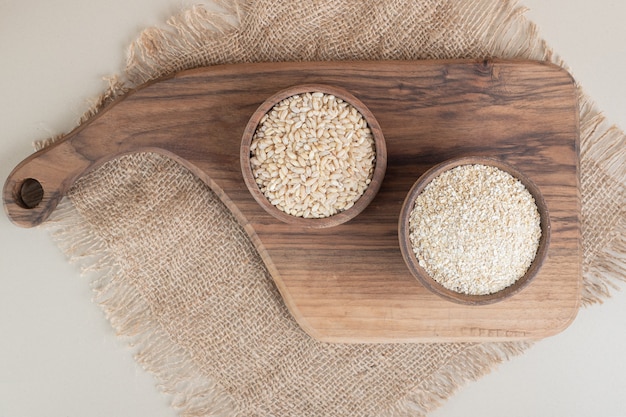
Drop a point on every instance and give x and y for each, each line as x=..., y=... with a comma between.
x=349, y=283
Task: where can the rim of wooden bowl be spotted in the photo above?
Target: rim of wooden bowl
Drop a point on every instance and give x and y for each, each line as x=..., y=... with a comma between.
x=433, y=286
x=379, y=168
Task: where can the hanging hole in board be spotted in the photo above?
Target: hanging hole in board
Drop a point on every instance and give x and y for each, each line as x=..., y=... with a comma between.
x=30, y=193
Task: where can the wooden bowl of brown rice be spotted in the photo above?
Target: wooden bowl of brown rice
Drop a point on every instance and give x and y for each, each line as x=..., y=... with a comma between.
x=313, y=156
x=474, y=230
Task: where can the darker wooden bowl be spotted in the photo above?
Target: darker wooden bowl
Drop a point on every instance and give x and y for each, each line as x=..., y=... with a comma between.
x=338, y=218
x=435, y=287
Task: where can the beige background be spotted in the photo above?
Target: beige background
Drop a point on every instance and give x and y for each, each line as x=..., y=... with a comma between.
x=58, y=355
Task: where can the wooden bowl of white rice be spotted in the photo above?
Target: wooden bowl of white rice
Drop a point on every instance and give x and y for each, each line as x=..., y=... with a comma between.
x=474, y=230
x=313, y=156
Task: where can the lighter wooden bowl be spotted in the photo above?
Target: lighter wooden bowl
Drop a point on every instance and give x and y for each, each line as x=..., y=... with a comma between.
x=423, y=277
x=338, y=218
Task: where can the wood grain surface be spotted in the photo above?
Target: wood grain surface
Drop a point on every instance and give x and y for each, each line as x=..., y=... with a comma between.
x=349, y=283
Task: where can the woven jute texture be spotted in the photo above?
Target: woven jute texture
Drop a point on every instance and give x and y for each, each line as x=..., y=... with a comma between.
x=179, y=277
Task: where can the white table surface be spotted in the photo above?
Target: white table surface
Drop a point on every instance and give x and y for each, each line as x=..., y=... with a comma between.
x=58, y=355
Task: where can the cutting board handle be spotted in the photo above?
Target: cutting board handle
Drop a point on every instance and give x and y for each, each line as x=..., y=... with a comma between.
x=35, y=187
x=37, y=184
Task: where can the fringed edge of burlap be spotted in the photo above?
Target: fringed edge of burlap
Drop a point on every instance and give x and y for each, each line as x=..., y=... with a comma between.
x=470, y=365
x=604, y=146
x=608, y=270
x=192, y=392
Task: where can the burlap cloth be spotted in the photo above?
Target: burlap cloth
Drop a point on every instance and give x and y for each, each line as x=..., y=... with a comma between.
x=177, y=275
